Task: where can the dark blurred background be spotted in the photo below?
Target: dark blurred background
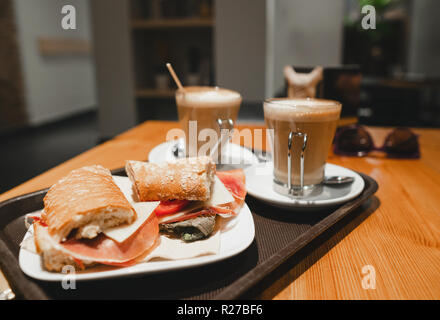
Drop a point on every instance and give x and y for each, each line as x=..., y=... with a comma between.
x=64, y=91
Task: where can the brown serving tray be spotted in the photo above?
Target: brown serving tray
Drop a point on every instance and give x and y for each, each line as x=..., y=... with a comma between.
x=282, y=239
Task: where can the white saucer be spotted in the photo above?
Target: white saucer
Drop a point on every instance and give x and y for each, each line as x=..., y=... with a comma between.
x=259, y=184
x=235, y=153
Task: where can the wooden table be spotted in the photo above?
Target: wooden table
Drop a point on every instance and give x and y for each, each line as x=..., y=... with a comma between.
x=399, y=234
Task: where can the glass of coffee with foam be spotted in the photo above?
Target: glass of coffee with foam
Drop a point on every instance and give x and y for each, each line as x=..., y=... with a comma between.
x=301, y=133
x=207, y=116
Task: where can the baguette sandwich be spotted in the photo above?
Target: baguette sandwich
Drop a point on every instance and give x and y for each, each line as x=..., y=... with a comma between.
x=82, y=220
x=191, y=194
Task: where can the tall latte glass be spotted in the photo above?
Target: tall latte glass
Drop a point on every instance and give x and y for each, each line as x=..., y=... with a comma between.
x=204, y=111
x=301, y=136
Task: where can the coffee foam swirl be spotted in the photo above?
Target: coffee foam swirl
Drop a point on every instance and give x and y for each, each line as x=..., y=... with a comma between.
x=305, y=110
x=207, y=97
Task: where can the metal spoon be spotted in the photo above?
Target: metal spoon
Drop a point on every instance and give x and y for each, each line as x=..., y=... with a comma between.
x=337, y=180
x=178, y=150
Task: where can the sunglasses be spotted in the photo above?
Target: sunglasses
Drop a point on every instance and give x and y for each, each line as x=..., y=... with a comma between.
x=354, y=140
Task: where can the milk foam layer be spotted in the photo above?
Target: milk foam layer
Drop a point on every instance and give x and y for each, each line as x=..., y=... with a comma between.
x=304, y=110
x=205, y=97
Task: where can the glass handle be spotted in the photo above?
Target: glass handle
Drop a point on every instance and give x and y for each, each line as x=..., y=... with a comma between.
x=227, y=124
x=293, y=134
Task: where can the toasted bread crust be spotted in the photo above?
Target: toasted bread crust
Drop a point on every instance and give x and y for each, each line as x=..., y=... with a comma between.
x=87, y=195
x=182, y=179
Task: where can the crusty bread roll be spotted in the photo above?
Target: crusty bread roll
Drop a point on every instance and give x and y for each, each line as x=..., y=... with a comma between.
x=182, y=179
x=87, y=201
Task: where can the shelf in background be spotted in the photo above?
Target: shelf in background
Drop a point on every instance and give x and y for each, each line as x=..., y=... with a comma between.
x=155, y=93
x=63, y=46
x=172, y=23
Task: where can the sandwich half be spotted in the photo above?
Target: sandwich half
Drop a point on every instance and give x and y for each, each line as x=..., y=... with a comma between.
x=191, y=202
x=81, y=213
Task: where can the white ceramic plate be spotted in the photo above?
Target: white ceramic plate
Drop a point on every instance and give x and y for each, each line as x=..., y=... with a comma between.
x=259, y=184
x=236, y=154
x=238, y=235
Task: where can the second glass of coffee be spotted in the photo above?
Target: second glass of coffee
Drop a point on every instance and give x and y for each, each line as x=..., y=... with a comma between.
x=203, y=112
x=301, y=133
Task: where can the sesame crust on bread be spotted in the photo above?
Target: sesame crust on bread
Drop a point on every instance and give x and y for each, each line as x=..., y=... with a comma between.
x=181, y=179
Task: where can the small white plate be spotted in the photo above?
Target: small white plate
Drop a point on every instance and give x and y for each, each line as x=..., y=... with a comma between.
x=259, y=184
x=235, y=238
x=235, y=153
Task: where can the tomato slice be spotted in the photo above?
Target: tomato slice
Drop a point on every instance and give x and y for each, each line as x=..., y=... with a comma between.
x=39, y=220
x=170, y=206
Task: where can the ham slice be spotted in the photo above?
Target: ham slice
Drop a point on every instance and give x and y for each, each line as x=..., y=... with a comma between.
x=107, y=251
x=183, y=216
x=234, y=181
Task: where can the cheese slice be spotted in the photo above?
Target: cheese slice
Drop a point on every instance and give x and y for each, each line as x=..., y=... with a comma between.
x=123, y=232
x=219, y=195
